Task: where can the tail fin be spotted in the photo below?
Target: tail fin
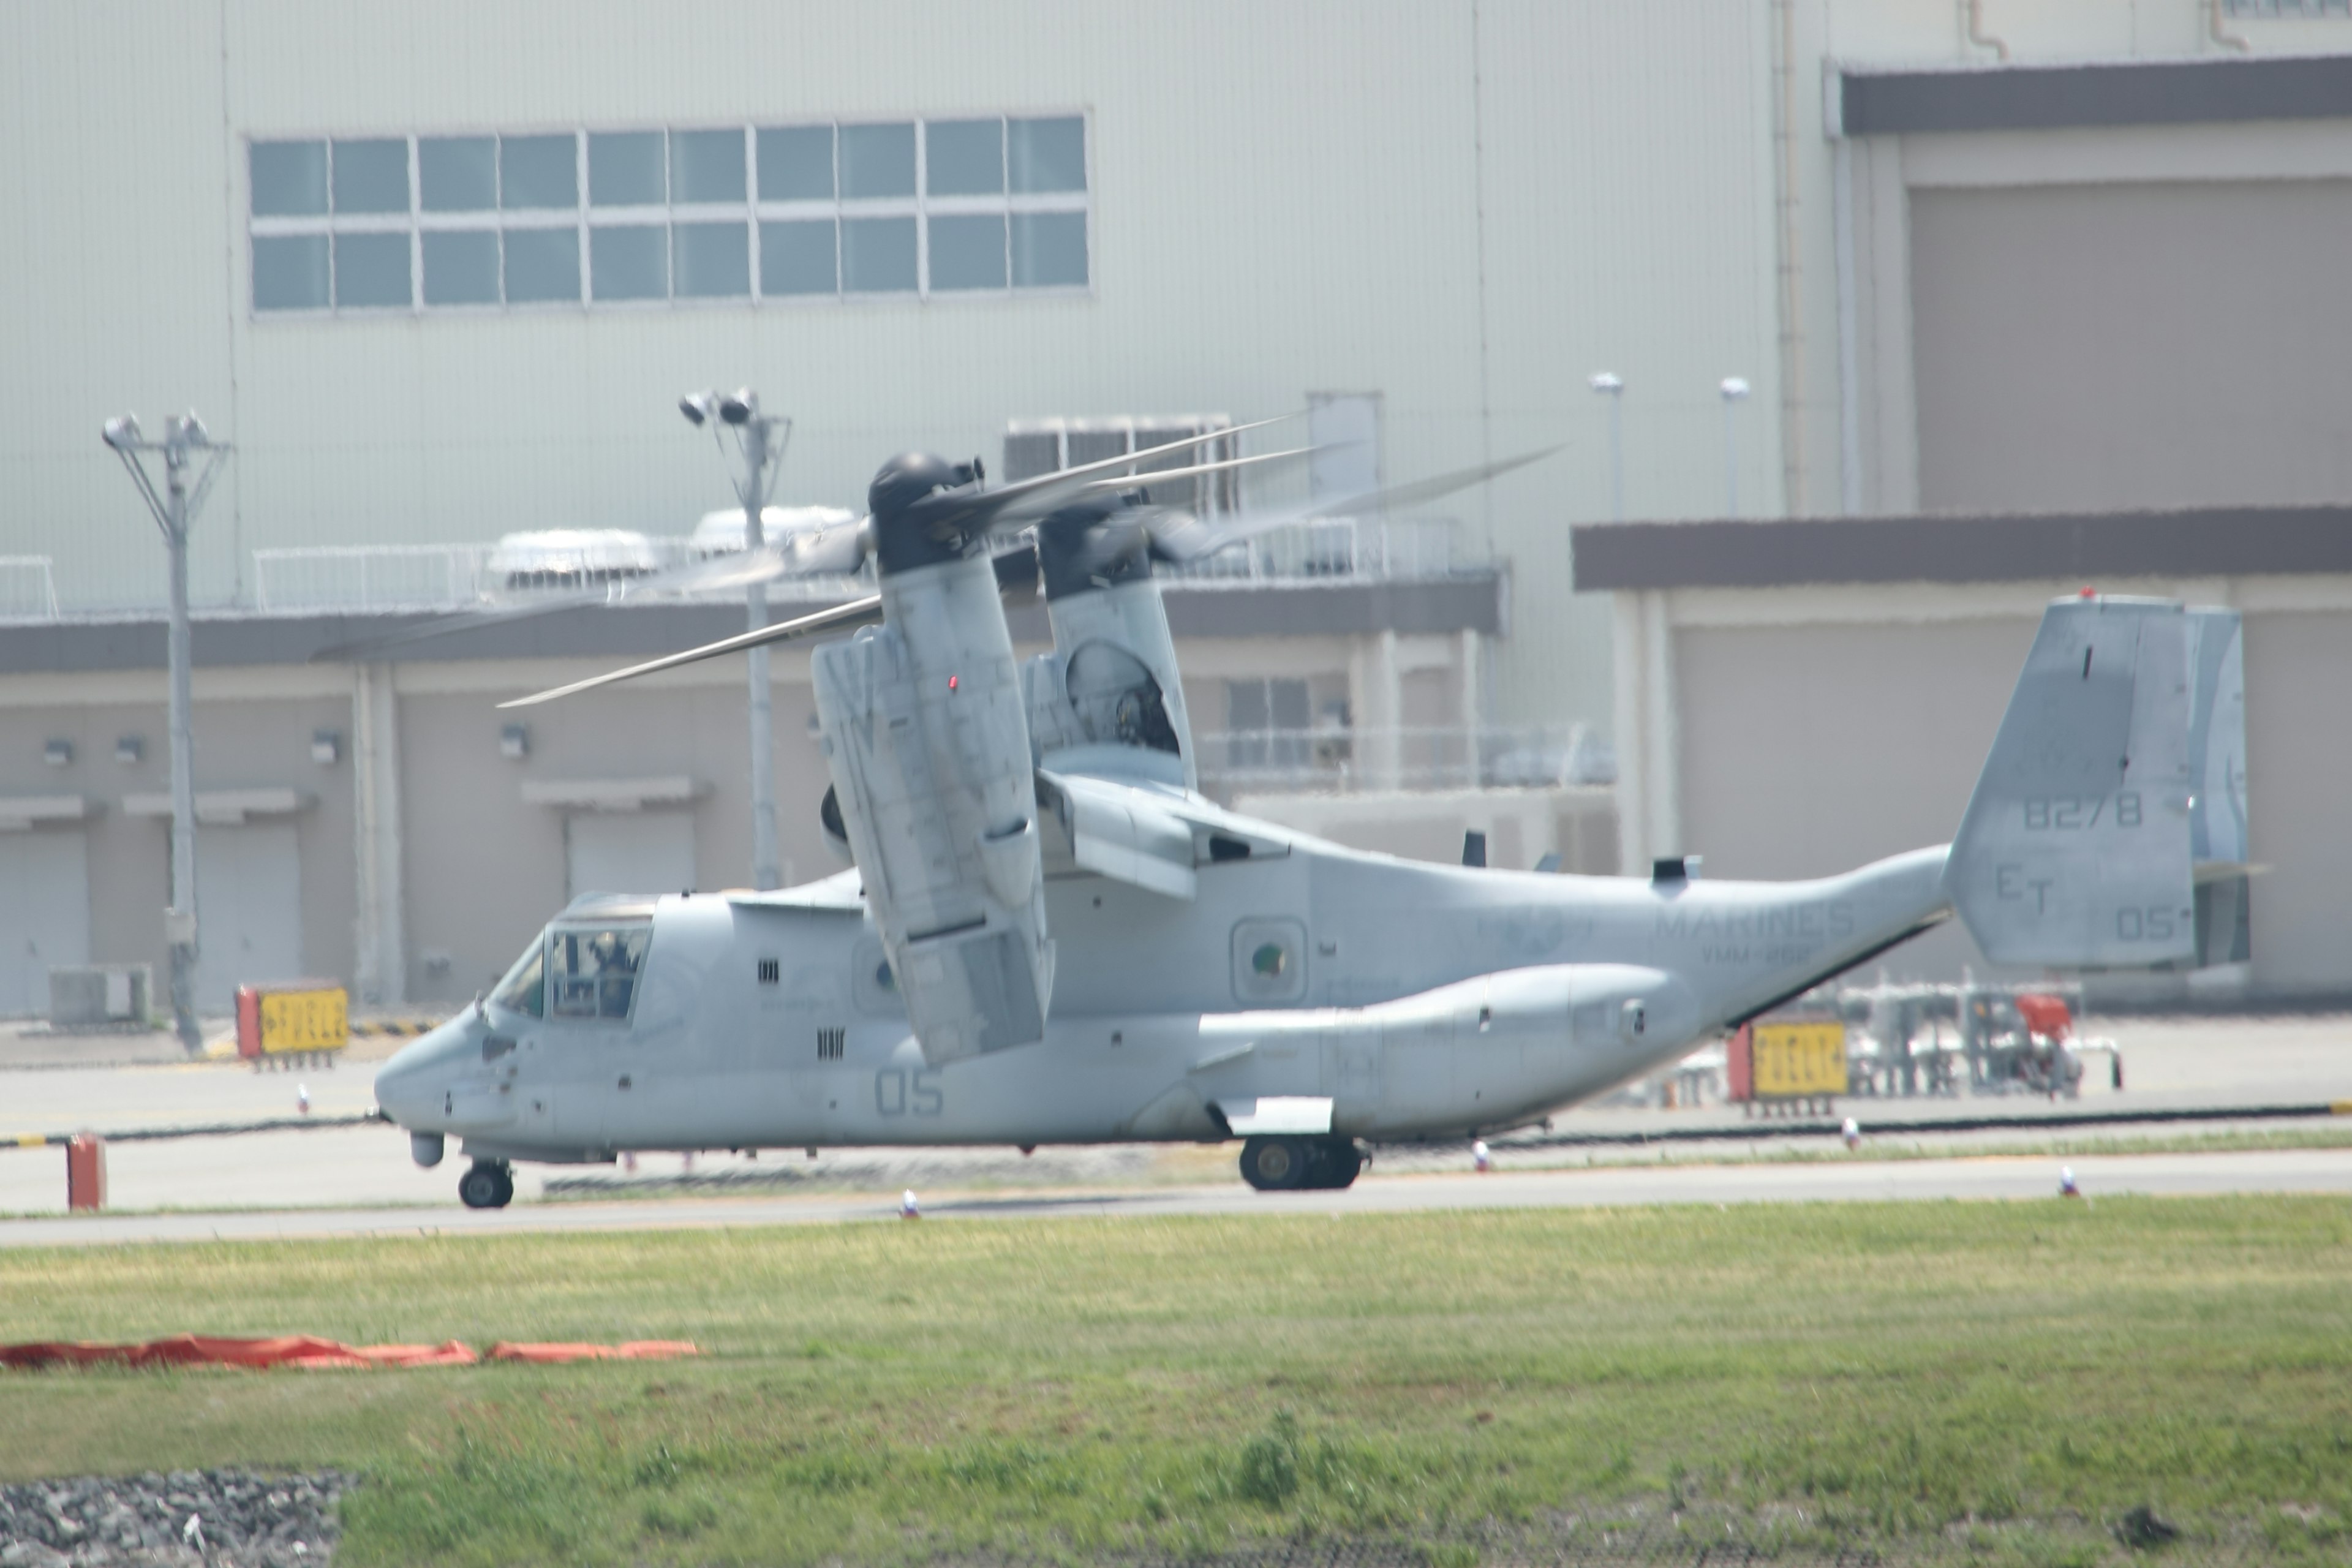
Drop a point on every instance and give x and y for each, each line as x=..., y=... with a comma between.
x=2118, y=769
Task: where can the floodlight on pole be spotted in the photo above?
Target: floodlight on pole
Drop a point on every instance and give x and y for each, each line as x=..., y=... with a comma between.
x=760, y=440
x=175, y=509
x=1735, y=392
x=1608, y=384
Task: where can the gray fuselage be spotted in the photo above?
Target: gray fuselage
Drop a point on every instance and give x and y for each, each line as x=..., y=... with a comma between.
x=1424, y=1001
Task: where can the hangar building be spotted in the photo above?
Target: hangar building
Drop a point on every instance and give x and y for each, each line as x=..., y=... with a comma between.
x=440, y=272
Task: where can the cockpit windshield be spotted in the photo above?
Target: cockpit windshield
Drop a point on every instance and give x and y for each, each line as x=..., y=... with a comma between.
x=524, y=989
x=592, y=971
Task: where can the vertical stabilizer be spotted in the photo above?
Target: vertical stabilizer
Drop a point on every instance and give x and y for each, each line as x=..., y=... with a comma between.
x=2077, y=850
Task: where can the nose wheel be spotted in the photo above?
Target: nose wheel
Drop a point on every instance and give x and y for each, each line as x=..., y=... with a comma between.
x=1293, y=1165
x=489, y=1184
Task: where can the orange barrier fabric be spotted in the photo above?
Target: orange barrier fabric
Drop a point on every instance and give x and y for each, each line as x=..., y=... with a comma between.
x=635, y=1350
x=307, y=1352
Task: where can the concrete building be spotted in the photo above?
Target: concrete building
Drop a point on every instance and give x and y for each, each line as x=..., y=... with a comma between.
x=380, y=821
x=440, y=272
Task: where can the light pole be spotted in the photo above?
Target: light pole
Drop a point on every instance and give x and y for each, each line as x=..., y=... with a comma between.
x=1735, y=392
x=184, y=437
x=1607, y=385
x=760, y=441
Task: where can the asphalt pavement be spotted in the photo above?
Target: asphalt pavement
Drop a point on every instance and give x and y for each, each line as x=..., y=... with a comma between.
x=55, y=1084
x=2098, y=1177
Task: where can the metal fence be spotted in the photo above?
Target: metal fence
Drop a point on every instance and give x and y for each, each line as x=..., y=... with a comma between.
x=28, y=588
x=1341, y=548
x=387, y=577
x=369, y=576
x=364, y=577
x=1333, y=760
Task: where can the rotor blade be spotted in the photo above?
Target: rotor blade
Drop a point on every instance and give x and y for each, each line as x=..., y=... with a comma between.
x=1126, y=481
x=712, y=575
x=1182, y=544
x=1016, y=577
x=856, y=612
x=1059, y=477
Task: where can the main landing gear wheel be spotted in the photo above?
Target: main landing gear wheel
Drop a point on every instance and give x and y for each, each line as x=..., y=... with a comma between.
x=1288, y=1164
x=489, y=1184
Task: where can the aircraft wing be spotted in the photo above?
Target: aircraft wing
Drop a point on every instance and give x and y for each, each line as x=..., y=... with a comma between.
x=1147, y=836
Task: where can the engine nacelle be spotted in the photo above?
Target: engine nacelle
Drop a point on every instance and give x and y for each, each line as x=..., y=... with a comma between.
x=925, y=737
x=1483, y=1053
x=1112, y=680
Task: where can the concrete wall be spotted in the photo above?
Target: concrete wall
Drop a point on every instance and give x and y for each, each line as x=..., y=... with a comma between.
x=479, y=867
x=243, y=743
x=2088, y=347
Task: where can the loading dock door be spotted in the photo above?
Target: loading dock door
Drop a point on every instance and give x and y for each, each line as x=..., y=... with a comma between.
x=628, y=852
x=248, y=909
x=43, y=915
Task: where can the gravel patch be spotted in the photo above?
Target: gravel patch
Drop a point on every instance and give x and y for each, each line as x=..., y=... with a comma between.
x=243, y=1519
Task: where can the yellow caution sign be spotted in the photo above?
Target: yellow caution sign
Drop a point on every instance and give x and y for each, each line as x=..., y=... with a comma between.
x=1799, y=1060
x=313, y=1020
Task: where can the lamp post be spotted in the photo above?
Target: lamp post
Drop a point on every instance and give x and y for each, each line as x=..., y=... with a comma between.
x=1610, y=385
x=185, y=442
x=1735, y=392
x=760, y=441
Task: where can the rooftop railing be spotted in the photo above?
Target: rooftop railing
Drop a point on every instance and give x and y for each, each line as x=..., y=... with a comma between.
x=395, y=577
x=28, y=588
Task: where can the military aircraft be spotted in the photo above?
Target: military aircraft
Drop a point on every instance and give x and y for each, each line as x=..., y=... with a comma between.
x=1050, y=936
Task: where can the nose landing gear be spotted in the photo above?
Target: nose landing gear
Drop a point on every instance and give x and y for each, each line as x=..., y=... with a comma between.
x=487, y=1185
x=1292, y=1163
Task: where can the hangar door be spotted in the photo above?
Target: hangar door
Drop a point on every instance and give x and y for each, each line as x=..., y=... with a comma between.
x=248, y=909
x=43, y=915
x=2126, y=345
x=628, y=852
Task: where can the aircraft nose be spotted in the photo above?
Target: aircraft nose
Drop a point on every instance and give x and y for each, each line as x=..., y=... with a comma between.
x=410, y=1087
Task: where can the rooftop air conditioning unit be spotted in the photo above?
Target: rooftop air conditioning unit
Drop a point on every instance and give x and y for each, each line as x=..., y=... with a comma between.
x=572, y=558
x=721, y=533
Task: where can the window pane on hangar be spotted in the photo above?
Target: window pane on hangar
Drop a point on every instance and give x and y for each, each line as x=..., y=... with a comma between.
x=624, y=169
x=877, y=254
x=289, y=178
x=967, y=252
x=462, y=268
x=1049, y=251
x=711, y=260
x=796, y=164
x=542, y=264
x=1047, y=155
x=963, y=157
x=539, y=172
x=290, y=272
x=372, y=177
x=628, y=262
x=370, y=269
x=797, y=258
x=877, y=160
x=458, y=174
x=706, y=166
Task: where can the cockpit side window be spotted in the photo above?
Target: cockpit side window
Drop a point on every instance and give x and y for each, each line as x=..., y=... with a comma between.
x=524, y=989
x=592, y=971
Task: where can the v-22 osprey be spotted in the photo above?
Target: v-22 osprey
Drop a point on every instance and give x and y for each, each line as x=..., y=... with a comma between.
x=1048, y=935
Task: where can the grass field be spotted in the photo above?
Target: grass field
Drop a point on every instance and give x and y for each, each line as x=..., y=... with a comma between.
x=1979, y=1382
